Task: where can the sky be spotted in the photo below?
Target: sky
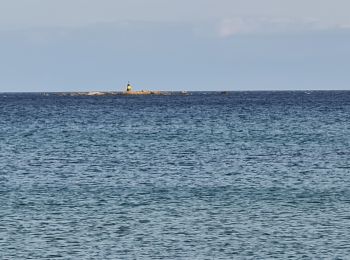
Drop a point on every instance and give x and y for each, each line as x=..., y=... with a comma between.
x=84, y=45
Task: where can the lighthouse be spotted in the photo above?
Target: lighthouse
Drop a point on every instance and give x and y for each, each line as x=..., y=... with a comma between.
x=128, y=87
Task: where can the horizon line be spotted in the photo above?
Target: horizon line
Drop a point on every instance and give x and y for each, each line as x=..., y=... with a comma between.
x=120, y=91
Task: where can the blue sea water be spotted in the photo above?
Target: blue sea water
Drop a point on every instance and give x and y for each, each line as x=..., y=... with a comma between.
x=242, y=175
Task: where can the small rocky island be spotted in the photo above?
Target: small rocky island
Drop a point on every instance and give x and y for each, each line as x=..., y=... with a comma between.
x=129, y=92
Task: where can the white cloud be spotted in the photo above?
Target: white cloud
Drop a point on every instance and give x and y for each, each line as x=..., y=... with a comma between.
x=229, y=27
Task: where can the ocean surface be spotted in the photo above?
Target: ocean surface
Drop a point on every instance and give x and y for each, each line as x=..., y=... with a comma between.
x=241, y=175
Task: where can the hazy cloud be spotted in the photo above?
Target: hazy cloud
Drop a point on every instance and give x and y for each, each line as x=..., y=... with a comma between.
x=73, y=13
x=250, y=25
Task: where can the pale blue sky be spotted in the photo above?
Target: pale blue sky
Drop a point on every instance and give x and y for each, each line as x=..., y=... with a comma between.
x=67, y=45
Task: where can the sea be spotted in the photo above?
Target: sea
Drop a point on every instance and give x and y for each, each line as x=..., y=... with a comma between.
x=209, y=175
